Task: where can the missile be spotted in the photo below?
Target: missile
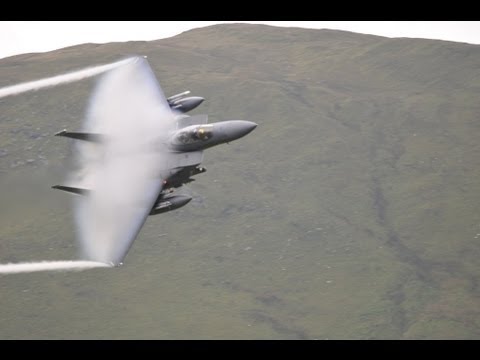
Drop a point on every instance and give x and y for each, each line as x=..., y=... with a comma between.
x=170, y=203
x=186, y=104
x=177, y=96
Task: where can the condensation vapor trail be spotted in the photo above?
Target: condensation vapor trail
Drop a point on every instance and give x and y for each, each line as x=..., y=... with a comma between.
x=59, y=79
x=29, y=267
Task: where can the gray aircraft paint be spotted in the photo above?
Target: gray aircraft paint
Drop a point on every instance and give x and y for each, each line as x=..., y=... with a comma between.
x=136, y=143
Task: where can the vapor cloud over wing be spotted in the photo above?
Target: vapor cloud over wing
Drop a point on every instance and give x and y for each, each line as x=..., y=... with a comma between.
x=123, y=172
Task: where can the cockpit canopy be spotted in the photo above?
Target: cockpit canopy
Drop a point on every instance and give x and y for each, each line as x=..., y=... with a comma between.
x=193, y=135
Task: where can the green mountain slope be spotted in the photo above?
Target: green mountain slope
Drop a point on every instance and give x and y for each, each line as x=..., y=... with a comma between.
x=351, y=212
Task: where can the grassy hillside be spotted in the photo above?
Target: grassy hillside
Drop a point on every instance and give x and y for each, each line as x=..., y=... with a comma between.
x=351, y=212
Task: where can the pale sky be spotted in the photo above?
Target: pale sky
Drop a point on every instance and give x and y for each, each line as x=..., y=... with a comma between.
x=18, y=37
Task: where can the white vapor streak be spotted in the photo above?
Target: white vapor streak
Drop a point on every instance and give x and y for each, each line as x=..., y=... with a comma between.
x=28, y=267
x=50, y=266
x=59, y=79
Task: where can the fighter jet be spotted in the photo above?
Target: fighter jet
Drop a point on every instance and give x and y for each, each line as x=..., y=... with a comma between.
x=173, y=158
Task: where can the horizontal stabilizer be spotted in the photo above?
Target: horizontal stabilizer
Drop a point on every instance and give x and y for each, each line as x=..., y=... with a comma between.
x=96, y=138
x=73, y=190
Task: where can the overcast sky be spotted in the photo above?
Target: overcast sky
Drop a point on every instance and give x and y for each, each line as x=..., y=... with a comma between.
x=18, y=37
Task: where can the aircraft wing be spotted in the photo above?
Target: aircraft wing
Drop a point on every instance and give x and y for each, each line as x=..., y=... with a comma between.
x=125, y=172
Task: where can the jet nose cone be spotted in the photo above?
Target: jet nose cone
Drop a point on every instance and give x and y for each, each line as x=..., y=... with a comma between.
x=238, y=128
x=249, y=126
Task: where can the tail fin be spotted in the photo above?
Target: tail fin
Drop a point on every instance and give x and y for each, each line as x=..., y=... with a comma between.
x=73, y=190
x=96, y=138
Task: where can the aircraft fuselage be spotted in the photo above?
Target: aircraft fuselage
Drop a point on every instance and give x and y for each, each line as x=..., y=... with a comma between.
x=204, y=136
x=186, y=145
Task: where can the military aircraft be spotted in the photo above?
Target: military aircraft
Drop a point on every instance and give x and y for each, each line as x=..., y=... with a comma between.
x=177, y=154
